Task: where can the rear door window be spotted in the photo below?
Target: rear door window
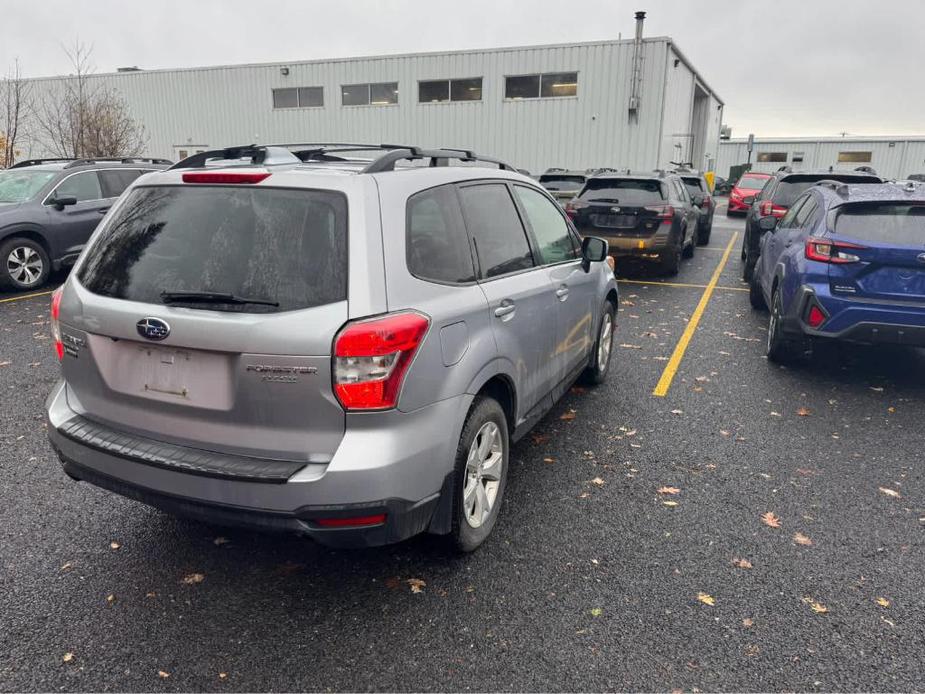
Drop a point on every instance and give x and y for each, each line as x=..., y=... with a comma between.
x=287, y=247
x=493, y=223
x=115, y=181
x=902, y=224
x=623, y=191
x=693, y=185
x=83, y=186
x=549, y=227
x=806, y=213
x=437, y=245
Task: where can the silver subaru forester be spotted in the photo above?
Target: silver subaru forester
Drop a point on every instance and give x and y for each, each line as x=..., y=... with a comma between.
x=300, y=339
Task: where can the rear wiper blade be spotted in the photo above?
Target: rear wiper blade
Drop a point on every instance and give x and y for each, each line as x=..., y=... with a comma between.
x=212, y=298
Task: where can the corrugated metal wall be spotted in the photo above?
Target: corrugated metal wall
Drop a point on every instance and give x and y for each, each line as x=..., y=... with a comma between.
x=222, y=106
x=891, y=158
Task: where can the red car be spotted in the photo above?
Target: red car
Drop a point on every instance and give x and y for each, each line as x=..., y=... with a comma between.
x=748, y=186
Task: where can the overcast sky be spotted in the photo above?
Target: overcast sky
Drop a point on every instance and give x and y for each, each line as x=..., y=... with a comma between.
x=783, y=67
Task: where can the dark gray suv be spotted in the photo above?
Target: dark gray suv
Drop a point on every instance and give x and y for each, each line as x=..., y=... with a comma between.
x=49, y=208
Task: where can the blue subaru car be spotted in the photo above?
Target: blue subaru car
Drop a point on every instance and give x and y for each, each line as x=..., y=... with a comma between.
x=846, y=262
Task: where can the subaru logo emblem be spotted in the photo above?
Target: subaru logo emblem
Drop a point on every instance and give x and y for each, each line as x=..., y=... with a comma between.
x=152, y=328
x=616, y=210
x=921, y=257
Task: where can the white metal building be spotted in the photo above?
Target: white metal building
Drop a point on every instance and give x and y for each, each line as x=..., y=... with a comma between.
x=891, y=157
x=609, y=103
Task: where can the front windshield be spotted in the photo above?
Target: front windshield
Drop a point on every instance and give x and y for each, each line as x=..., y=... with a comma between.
x=19, y=186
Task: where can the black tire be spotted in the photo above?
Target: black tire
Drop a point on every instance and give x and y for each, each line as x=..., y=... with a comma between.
x=703, y=235
x=25, y=265
x=597, y=370
x=780, y=349
x=671, y=261
x=755, y=295
x=748, y=266
x=692, y=246
x=466, y=537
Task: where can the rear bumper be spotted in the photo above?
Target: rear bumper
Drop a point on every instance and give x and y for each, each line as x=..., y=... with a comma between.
x=737, y=206
x=637, y=246
x=861, y=321
x=394, y=463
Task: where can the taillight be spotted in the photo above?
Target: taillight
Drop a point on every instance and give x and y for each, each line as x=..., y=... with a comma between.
x=663, y=212
x=769, y=209
x=707, y=202
x=56, y=322
x=572, y=207
x=828, y=251
x=372, y=356
x=232, y=178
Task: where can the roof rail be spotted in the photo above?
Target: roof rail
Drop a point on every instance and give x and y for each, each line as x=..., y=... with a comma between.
x=258, y=154
x=866, y=169
x=438, y=157
x=36, y=162
x=786, y=168
x=119, y=160
x=554, y=169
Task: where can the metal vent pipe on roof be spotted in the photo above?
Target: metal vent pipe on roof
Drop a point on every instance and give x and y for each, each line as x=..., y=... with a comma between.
x=637, y=64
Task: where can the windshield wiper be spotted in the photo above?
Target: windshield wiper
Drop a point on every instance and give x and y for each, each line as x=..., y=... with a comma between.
x=212, y=298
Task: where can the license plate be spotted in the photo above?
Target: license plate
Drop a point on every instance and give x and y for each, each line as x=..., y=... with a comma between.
x=615, y=221
x=165, y=371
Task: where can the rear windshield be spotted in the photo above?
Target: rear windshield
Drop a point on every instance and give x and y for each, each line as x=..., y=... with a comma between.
x=751, y=182
x=625, y=191
x=790, y=188
x=562, y=182
x=274, y=245
x=18, y=186
x=898, y=223
x=692, y=183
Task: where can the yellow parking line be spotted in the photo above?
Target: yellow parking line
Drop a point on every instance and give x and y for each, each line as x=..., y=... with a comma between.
x=664, y=383
x=26, y=296
x=682, y=284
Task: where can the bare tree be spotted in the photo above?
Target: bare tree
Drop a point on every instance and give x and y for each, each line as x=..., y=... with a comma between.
x=15, y=106
x=81, y=118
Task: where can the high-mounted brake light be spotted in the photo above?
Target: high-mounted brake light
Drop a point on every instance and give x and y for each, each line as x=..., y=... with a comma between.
x=232, y=177
x=56, y=322
x=828, y=251
x=372, y=356
x=663, y=212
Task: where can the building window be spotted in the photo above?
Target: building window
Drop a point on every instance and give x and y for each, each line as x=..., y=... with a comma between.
x=438, y=91
x=798, y=157
x=376, y=94
x=772, y=156
x=854, y=157
x=551, y=84
x=298, y=97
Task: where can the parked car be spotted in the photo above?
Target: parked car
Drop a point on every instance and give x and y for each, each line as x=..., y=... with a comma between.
x=563, y=184
x=337, y=349
x=720, y=186
x=844, y=263
x=916, y=177
x=699, y=190
x=648, y=215
x=778, y=195
x=49, y=208
x=744, y=191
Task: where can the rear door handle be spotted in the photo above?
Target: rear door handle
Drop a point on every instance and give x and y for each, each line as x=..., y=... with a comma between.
x=103, y=210
x=506, y=309
x=562, y=292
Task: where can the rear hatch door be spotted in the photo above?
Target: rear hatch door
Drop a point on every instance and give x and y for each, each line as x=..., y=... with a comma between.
x=619, y=207
x=889, y=240
x=204, y=315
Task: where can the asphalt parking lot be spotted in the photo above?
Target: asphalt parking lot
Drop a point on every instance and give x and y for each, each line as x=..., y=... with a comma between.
x=633, y=551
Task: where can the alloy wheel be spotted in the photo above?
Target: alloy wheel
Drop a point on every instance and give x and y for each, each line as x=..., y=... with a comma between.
x=484, y=468
x=605, y=342
x=24, y=265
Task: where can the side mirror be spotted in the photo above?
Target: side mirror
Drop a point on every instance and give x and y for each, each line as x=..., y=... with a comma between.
x=62, y=201
x=767, y=224
x=593, y=250
x=749, y=200
x=697, y=200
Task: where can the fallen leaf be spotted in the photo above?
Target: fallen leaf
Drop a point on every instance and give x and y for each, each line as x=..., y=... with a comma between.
x=114, y=545
x=151, y=594
x=5, y=363
x=540, y=438
x=742, y=563
x=110, y=598
x=801, y=539
x=66, y=566
x=890, y=492
x=747, y=622
x=630, y=346
x=804, y=412
x=222, y=675
x=163, y=675
x=776, y=414
x=218, y=541
x=598, y=482
x=669, y=503
x=706, y=599
x=668, y=490
x=770, y=520
x=568, y=416
x=67, y=657
x=677, y=412
x=549, y=460
x=883, y=602
x=723, y=432
x=891, y=410
x=596, y=612
x=876, y=389
x=416, y=584
x=193, y=579
x=816, y=607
